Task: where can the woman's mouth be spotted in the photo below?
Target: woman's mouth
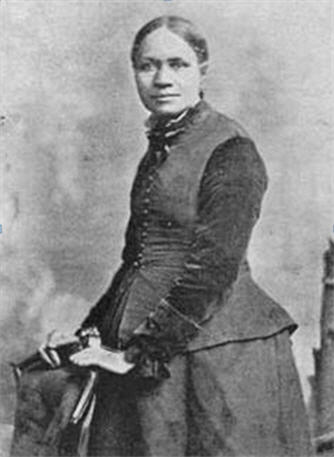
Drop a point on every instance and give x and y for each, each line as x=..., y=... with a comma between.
x=163, y=97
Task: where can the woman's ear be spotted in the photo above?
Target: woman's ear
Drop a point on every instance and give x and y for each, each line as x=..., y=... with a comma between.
x=203, y=72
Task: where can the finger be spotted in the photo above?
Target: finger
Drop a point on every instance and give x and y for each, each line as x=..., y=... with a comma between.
x=77, y=358
x=84, y=358
x=81, y=362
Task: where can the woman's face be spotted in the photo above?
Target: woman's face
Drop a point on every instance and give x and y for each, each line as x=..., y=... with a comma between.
x=167, y=73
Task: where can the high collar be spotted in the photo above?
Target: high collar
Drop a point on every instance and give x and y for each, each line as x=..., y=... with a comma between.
x=163, y=129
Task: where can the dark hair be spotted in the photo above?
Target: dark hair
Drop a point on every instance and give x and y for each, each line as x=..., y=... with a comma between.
x=181, y=27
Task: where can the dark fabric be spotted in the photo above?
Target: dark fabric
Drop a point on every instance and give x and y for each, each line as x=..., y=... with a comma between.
x=252, y=388
x=233, y=400
x=45, y=401
x=214, y=374
x=192, y=212
x=229, y=203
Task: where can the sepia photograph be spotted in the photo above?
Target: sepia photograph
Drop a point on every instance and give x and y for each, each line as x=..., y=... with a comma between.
x=166, y=228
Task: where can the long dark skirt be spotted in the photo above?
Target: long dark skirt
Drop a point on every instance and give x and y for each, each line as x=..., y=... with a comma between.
x=45, y=401
x=238, y=399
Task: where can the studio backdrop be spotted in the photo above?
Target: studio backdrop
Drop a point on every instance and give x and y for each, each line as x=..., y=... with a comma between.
x=72, y=134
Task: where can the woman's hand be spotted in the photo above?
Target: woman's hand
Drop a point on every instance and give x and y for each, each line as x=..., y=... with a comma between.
x=103, y=358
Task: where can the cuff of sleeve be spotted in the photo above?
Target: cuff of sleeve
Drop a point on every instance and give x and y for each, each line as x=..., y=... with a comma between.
x=149, y=358
x=163, y=334
x=168, y=326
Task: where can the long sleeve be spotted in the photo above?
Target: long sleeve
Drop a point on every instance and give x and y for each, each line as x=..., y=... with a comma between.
x=98, y=311
x=229, y=202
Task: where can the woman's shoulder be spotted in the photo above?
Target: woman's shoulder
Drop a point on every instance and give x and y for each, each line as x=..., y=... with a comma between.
x=220, y=123
x=237, y=159
x=230, y=142
x=223, y=136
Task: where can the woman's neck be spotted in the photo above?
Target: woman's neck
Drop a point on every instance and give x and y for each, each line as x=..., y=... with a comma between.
x=166, y=119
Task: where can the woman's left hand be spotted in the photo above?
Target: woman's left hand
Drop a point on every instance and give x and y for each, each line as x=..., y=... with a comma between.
x=103, y=358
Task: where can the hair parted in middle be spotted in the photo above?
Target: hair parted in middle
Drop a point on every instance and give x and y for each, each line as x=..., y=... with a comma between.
x=181, y=27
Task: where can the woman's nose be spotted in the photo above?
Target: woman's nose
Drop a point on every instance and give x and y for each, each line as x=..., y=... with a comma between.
x=163, y=77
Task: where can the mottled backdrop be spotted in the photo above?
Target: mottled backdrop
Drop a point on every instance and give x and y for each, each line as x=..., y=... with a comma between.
x=73, y=134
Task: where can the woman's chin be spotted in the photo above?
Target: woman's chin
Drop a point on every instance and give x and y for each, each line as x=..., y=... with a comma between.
x=166, y=109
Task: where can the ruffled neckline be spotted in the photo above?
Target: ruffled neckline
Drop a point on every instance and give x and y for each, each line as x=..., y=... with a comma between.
x=168, y=128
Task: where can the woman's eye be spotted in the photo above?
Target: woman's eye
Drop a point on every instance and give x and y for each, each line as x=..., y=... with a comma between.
x=178, y=64
x=145, y=66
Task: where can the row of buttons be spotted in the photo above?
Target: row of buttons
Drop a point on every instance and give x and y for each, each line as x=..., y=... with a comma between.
x=145, y=213
x=144, y=224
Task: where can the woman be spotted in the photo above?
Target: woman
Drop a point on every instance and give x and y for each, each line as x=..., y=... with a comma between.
x=213, y=371
x=203, y=363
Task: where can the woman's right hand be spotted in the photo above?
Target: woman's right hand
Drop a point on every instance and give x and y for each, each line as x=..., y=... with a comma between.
x=113, y=361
